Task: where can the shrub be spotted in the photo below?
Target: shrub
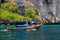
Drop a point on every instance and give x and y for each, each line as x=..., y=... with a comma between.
x=8, y=12
x=9, y=16
x=10, y=6
x=32, y=13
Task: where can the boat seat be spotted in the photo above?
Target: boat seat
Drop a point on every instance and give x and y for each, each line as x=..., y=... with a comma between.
x=12, y=26
x=22, y=26
x=2, y=27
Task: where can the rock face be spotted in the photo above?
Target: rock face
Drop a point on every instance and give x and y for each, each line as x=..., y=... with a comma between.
x=40, y=4
x=54, y=7
x=17, y=1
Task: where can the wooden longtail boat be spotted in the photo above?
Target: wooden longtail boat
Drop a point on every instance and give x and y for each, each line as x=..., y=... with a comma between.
x=36, y=27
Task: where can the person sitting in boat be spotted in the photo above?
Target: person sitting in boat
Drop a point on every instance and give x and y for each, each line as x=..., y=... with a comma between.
x=32, y=22
x=35, y=22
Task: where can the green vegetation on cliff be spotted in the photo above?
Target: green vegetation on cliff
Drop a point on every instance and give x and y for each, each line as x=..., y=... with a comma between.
x=9, y=12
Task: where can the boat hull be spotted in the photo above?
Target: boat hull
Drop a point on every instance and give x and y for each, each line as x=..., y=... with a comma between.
x=28, y=28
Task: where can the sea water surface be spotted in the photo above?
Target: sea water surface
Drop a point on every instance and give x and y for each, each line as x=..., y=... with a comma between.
x=46, y=32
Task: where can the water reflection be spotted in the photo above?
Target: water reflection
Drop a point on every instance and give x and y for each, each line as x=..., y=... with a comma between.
x=18, y=35
x=44, y=33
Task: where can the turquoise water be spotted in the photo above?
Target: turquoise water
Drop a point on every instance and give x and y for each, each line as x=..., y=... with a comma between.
x=46, y=32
